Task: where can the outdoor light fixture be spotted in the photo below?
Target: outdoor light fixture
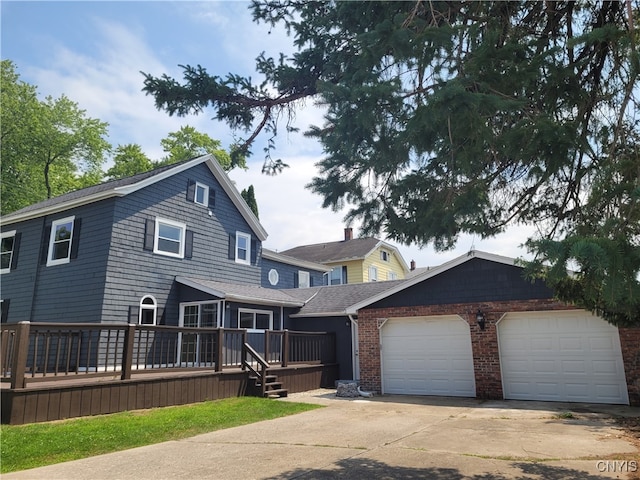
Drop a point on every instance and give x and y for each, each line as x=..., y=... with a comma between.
x=480, y=319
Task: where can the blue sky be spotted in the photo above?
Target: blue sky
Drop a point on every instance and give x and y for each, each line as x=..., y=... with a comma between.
x=93, y=52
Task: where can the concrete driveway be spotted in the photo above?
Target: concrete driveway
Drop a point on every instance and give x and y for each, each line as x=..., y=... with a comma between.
x=388, y=437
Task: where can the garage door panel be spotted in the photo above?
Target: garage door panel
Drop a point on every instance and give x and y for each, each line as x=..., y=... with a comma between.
x=573, y=367
x=562, y=356
x=605, y=367
x=427, y=356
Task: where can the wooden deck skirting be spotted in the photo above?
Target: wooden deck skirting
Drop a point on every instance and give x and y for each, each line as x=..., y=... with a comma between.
x=60, y=399
x=56, y=371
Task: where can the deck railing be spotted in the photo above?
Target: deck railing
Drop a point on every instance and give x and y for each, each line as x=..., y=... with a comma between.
x=36, y=352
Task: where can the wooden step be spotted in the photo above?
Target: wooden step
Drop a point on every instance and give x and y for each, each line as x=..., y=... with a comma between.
x=281, y=392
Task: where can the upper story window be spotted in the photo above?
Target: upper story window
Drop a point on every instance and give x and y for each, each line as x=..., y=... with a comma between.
x=243, y=248
x=7, y=250
x=384, y=255
x=304, y=280
x=274, y=277
x=392, y=276
x=60, y=241
x=202, y=194
x=373, y=273
x=338, y=276
x=169, y=238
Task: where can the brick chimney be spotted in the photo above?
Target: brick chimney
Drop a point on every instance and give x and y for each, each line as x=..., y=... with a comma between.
x=413, y=265
x=348, y=234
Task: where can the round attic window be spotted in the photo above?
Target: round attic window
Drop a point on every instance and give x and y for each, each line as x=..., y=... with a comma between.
x=273, y=276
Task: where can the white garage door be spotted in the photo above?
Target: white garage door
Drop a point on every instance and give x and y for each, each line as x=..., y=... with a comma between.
x=427, y=356
x=561, y=356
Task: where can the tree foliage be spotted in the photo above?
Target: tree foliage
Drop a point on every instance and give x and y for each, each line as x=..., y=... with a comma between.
x=129, y=160
x=249, y=196
x=49, y=147
x=451, y=117
x=189, y=143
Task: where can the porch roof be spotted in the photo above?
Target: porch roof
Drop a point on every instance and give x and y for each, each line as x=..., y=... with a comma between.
x=244, y=293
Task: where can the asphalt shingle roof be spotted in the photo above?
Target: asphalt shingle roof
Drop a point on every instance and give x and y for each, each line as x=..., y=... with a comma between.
x=89, y=191
x=353, y=249
x=335, y=299
x=314, y=301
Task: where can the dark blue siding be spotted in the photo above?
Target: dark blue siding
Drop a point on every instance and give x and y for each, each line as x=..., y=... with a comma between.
x=342, y=328
x=287, y=274
x=134, y=272
x=70, y=292
x=477, y=280
x=18, y=286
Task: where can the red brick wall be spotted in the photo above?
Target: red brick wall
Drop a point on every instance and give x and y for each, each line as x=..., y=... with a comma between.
x=630, y=345
x=484, y=344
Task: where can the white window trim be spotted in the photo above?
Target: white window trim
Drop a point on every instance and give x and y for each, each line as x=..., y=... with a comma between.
x=384, y=255
x=206, y=194
x=255, y=312
x=274, y=277
x=204, y=302
x=302, y=274
x=246, y=236
x=373, y=273
x=12, y=233
x=392, y=275
x=183, y=232
x=148, y=306
x=52, y=237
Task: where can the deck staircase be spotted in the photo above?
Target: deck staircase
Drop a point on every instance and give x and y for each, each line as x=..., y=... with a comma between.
x=262, y=383
x=273, y=388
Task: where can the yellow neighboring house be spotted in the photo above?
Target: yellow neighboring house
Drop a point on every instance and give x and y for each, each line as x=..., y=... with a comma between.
x=355, y=260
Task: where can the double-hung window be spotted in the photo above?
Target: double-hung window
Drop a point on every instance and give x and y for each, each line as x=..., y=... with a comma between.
x=7, y=249
x=169, y=238
x=303, y=279
x=60, y=241
x=243, y=248
x=373, y=273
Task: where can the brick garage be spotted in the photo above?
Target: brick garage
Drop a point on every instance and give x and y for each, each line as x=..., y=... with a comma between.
x=489, y=283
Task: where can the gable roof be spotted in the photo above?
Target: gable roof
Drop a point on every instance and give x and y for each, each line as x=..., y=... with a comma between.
x=342, y=251
x=330, y=300
x=125, y=186
x=297, y=262
x=353, y=309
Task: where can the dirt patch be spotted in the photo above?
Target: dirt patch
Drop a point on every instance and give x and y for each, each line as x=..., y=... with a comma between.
x=631, y=427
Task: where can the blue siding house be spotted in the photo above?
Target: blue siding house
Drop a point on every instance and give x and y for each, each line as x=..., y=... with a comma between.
x=174, y=246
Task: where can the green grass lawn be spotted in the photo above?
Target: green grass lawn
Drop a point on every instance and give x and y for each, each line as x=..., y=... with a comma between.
x=38, y=444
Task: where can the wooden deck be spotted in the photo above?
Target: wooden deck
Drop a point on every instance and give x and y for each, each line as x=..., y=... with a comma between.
x=68, y=398
x=57, y=371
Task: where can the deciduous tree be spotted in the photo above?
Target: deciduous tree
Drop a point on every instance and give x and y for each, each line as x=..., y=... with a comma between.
x=49, y=147
x=189, y=143
x=128, y=160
